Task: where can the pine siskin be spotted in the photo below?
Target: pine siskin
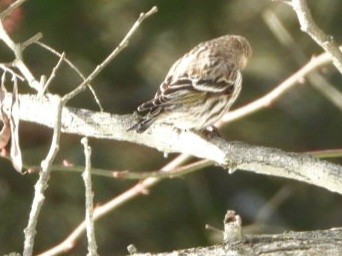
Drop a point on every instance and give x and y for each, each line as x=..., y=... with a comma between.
x=200, y=87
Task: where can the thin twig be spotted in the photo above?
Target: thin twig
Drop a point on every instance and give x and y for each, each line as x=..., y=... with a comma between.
x=317, y=80
x=42, y=183
x=89, y=198
x=308, y=25
x=177, y=172
x=11, y=8
x=15, y=152
x=73, y=67
x=327, y=153
x=123, y=44
x=13, y=73
x=18, y=62
x=270, y=97
x=326, y=89
x=272, y=205
x=52, y=75
x=288, y=2
x=78, y=169
x=32, y=40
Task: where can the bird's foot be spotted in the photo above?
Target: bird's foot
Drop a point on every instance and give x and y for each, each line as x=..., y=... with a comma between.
x=211, y=132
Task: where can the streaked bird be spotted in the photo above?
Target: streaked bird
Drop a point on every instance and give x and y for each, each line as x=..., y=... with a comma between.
x=200, y=87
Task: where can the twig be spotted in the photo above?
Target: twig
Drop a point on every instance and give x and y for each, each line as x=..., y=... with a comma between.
x=11, y=8
x=13, y=73
x=232, y=228
x=308, y=25
x=89, y=198
x=5, y=133
x=270, y=207
x=283, y=1
x=52, y=75
x=317, y=80
x=32, y=40
x=78, y=169
x=102, y=210
x=326, y=89
x=18, y=62
x=177, y=172
x=123, y=44
x=73, y=67
x=270, y=97
x=327, y=153
x=214, y=229
x=129, y=175
x=42, y=183
x=15, y=151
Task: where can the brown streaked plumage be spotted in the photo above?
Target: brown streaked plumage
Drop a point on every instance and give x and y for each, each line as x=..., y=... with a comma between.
x=200, y=87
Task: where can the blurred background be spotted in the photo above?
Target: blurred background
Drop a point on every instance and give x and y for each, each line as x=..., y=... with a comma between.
x=174, y=213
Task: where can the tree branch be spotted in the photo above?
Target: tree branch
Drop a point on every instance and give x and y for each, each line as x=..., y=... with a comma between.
x=327, y=242
x=123, y=44
x=269, y=98
x=18, y=62
x=73, y=67
x=11, y=8
x=308, y=25
x=231, y=155
x=89, y=198
x=44, y=176
x=164, y=138
x=317, y=80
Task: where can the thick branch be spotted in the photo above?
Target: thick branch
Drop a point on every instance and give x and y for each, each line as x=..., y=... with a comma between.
x=231, y=155
x=326, y=242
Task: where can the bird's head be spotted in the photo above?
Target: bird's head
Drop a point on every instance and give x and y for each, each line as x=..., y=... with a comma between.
x=238, y=47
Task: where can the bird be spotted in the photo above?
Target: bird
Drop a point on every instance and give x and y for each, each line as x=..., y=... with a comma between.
x=200, y=87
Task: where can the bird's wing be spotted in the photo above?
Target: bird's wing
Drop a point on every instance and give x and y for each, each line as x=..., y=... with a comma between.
x=171, y=94
x=206, y=75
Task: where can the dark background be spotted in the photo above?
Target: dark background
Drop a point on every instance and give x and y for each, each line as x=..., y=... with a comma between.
x=174, y=213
